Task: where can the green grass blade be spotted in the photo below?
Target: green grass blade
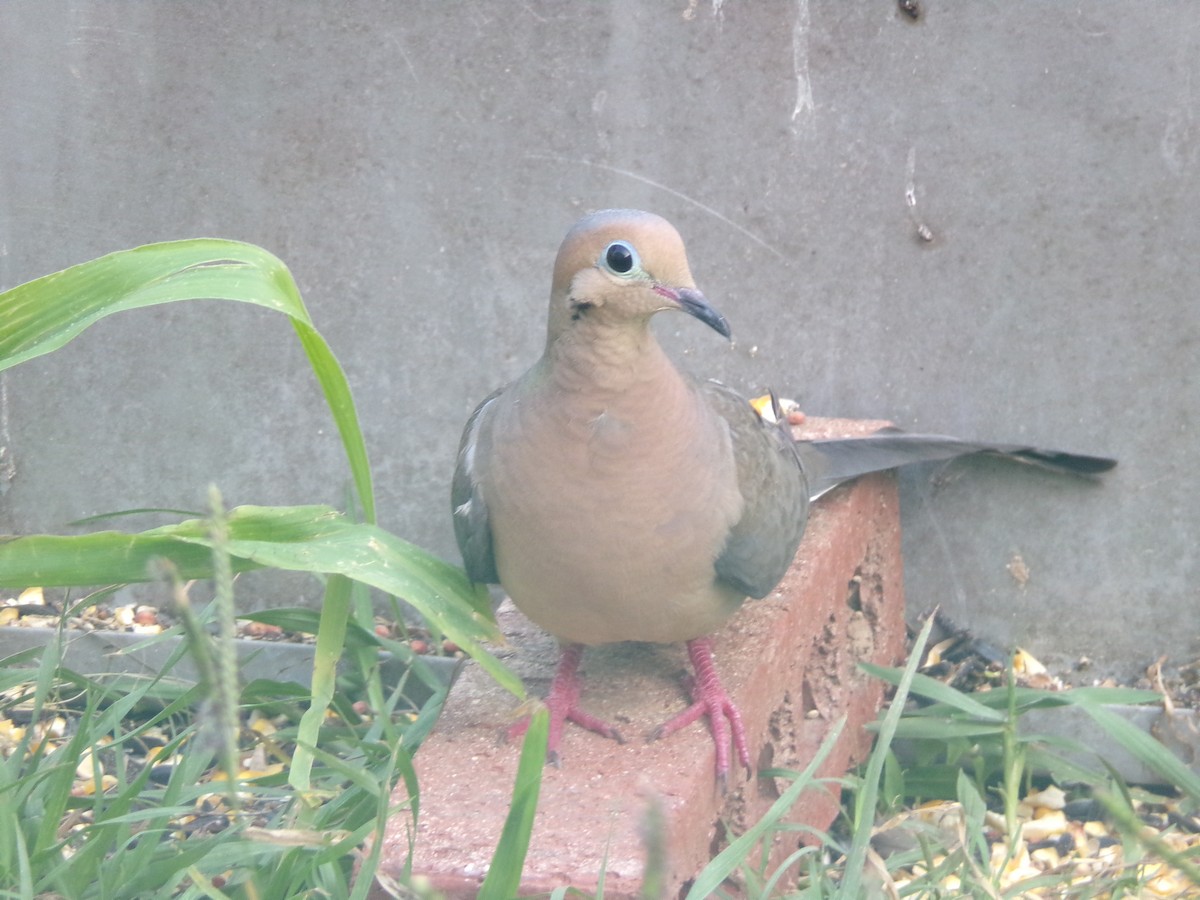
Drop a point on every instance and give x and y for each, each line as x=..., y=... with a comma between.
x=1098, y=696
x=331, y=636
x=940, y=729
x=724, y=863
x=1044, y=753
x=865, y=800
x=504, y=875
x=1131, y=826
x=23, y=865
x=1145, y=748
x=936, y=691
x=974, y=810
x=1037, y=698
x=399, y=767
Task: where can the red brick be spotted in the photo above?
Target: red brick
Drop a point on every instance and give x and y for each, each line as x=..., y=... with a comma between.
x=789, y=661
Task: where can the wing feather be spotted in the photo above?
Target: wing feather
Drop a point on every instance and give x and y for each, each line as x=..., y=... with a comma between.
x=774, y=490
x=472, y=523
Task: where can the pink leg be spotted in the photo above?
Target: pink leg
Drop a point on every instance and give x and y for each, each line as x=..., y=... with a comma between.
x=709, y=699
x=563, y=703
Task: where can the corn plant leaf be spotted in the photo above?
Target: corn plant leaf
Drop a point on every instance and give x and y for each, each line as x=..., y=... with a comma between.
x=44, y=314
x=314, y=539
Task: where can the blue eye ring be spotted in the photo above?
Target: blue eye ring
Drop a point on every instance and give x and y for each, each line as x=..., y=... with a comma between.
x=620, y=259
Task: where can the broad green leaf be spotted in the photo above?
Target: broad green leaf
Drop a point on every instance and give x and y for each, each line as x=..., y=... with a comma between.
x=307, y=538
x=103, y=557
x=44, y=314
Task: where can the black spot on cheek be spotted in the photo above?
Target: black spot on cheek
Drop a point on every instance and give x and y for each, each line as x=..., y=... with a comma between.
x=579, y=307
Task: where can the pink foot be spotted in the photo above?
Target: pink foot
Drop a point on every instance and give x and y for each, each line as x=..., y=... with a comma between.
x=709, y=699
x=563, y=703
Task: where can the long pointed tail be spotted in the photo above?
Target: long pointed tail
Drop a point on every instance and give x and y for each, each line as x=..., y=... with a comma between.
x=830, y=462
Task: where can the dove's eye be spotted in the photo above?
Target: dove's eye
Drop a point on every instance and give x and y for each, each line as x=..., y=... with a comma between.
x=620, y=258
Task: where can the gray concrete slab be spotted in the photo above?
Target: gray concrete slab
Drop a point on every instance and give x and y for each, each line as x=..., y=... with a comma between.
x=416, y=165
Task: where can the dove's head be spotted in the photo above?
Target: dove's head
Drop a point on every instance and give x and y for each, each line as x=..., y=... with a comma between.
x=617, y=268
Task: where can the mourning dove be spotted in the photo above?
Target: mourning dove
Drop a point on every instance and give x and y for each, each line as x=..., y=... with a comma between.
x=615, y=498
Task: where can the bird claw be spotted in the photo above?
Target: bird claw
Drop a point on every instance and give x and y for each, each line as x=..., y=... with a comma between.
x=710, y=699
x=558, y=718
x=724, y=720
x=594, y=725
x=563, y=705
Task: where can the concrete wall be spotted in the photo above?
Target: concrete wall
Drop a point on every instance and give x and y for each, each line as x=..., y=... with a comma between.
x=417, y=163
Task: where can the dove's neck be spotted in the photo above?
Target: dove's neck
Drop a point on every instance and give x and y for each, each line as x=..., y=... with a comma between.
x=609, y=362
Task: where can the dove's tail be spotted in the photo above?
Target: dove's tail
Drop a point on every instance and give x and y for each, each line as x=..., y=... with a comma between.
x=830, y=462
